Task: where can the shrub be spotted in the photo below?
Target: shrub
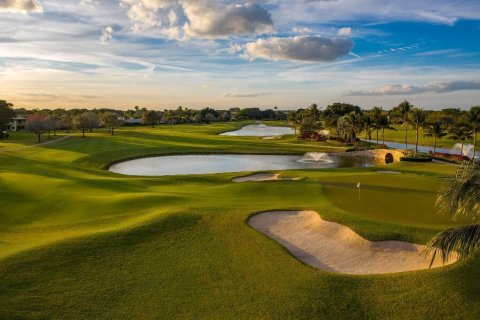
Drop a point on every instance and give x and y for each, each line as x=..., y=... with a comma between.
x=416, y=159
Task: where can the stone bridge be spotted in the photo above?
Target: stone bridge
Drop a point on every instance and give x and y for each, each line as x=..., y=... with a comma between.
x=388, y=155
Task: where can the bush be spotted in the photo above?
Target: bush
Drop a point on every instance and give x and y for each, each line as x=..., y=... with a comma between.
x=312, y=136
x=456, y=158
x=416, y=159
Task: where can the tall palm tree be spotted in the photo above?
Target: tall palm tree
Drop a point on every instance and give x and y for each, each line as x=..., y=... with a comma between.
x=384, y=123
x=436, y=130
x=315, y=111
x=404, y=110
x=461, y=132
x=459, y=198
x=377, y=113
x=353, y=123
x=474, y=120
x=417, y=118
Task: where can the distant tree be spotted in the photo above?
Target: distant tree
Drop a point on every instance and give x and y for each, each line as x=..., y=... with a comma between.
x=66, y=122
x=294, y=118
x=111, y=121
x=376, y=115
x=385, y=124
x=436, y=130
x=401, y=112
x=309, y=124
x=314, y=111
x=93, y=120
x=337, y=110
x=82, y=122
x=36, y=124
x=461, y=132
x=351, y=125
x=369, y=125
x=150, y=118
x=52, y=123
x=473, y=118
x=417, y=117
x=6, y=114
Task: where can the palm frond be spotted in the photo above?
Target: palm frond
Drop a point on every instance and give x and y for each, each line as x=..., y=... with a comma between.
x=460, y=196
x=461, y=241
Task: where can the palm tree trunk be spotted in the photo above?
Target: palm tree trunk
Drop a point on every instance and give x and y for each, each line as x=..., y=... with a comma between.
x=474, y=144
x=434, y=145
x=377, y=136
x=406, y=138
x=383, y=135
x=416, y=143
x=461, y=150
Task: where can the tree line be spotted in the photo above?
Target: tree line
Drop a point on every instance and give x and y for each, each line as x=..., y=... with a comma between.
x=348, y=121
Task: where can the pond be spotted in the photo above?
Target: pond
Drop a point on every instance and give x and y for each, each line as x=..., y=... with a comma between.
x=222, y=163
x=259, y=130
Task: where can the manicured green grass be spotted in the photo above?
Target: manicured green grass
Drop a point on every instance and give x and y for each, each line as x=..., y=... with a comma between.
x=78, y=242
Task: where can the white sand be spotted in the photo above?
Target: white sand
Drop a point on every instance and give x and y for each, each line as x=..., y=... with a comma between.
x=272, y=137
x=333, y=247
x=263, y=177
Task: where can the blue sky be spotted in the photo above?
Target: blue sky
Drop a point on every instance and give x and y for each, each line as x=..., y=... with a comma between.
x=222, y=53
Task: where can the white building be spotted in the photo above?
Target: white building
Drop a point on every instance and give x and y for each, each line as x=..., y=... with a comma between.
x=18, y=123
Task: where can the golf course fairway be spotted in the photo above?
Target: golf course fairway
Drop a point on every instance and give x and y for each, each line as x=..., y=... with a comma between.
x=79, y=242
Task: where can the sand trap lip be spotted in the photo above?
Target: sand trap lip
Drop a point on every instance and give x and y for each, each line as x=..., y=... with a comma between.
x=388, y=172
x=333, y=247
x=264, y=177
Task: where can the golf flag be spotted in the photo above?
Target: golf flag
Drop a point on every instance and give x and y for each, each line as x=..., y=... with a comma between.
x=358, y=185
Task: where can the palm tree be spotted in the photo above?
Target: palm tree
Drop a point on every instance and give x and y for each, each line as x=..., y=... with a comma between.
x=437, y=131
x=474, y=120
x=461, y=132
x=295, y=118
x=417, y=119
x=384, y=124
x=314, y=111
x=459, y=198
x=353, y=124
x=404, y=110
x=377, y=113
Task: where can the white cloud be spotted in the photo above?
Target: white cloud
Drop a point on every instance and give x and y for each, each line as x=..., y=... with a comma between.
x=405, y=89
x=246, y=94
x=199, y=19
x=345, y=32
x=22, y=6
x=107, y=34
x=301, y=48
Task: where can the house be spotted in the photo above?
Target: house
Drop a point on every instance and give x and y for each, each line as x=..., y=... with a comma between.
x=18, y=123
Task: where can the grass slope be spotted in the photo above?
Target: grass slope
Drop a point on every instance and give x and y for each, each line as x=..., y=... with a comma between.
x=78, y=242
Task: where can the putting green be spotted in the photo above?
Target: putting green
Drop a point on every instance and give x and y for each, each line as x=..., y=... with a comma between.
x=79, y=242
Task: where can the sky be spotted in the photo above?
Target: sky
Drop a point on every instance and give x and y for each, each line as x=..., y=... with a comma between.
x=223, y=53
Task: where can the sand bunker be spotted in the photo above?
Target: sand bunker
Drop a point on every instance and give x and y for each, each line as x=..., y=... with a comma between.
x=263, y=177
x=333, y=247
x=272, y=137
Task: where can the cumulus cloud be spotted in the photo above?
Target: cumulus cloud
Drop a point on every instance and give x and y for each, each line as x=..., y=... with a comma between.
x=300, y=48
x=404, y=89
x=22, y=6
x=199, y=18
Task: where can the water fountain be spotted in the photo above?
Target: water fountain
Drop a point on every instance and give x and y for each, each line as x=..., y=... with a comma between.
x=315, y=157
x=467, y=148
